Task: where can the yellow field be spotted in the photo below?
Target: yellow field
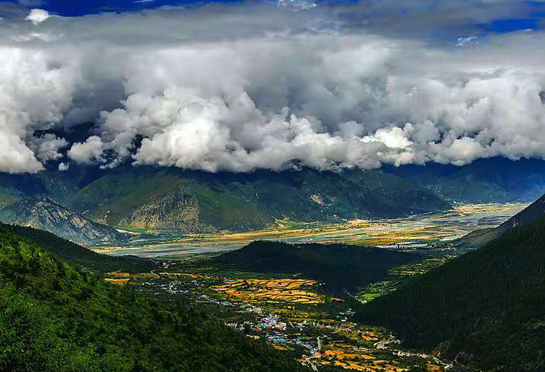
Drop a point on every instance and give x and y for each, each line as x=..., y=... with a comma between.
x=121, y=282
x=273, y=290
x=184, y=275
x=119, y=277
x=366, y=365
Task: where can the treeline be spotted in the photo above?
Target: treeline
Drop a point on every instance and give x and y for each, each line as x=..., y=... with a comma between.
x=485, y=309
x=56, y=318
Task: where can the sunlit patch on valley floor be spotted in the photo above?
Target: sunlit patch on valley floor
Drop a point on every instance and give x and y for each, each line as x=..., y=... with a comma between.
x=416, y=231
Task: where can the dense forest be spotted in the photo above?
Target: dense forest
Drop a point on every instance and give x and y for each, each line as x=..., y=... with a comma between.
x=339, y=266
x=485, y=309
x=55, y=317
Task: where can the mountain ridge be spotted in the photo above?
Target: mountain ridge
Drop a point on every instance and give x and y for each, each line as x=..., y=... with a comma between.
x=493, y=180
x=481, y=237
x=199, y=202
x=340, y=267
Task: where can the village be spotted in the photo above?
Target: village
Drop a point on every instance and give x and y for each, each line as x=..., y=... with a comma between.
x=292, y=314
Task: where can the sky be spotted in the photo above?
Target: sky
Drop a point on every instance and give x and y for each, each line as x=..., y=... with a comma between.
x=240, y=86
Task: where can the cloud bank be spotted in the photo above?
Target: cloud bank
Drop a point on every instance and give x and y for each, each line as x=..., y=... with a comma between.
x=260, y=86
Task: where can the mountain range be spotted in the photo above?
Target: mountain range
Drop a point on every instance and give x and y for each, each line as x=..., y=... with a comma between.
x=493, y=180
x=90, y=205
x=85, y=203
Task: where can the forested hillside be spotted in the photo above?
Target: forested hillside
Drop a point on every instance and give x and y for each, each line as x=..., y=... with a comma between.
x=339, y=266
x=485, y=309
x=56, y=318
x=79, y=255
x=480, y=237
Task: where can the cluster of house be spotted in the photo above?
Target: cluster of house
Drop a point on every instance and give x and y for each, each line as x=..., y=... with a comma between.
x=172, y=288
x=272, y=321
x=207, y=298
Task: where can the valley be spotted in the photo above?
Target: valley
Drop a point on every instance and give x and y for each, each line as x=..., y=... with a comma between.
x=407, y=233
x=291, y=303
x=293, y=314
x=296, y=287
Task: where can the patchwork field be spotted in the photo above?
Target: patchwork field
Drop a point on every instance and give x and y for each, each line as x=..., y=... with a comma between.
x=269, y=291
x=292, y=313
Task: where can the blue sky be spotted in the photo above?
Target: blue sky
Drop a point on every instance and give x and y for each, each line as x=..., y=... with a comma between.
x=531, y=18
x=529, y=14
x=82, y=7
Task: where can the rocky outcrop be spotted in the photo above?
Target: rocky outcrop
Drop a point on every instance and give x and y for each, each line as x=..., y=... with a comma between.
x=175, y=210
x=48, y=216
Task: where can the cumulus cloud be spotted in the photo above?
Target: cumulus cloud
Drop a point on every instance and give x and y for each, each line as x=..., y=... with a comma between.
x=87, y=152
x=305, y=86
x=37, y=16
x=47, y=147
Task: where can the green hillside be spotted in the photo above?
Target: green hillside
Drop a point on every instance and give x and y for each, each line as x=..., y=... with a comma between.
x=340, y=267
x=479, y=238
x=198, y=201
x=54, y=317
x=78, y=255
x=485, y=309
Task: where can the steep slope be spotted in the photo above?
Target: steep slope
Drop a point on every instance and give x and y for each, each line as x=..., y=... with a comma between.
x=485, y=309
x=46, y=185
x=55, y=318
x=197, y=201
x=45, y=215
x=495, y=180
x=78, y=255
x=340, y=267
x=529, y=214
x=481, y=237
x=414, y=199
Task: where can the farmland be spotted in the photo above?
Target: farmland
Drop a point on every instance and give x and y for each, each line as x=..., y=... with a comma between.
x=294, y=314
x=269, y=291
x=297, y=310
x=414, y=231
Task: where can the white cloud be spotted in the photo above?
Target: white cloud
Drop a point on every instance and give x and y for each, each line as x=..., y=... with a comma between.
x=280, y=88
x=465, y=41
x=15, y=156
x=47, y=147
x=87, y=152
x=37, y=16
